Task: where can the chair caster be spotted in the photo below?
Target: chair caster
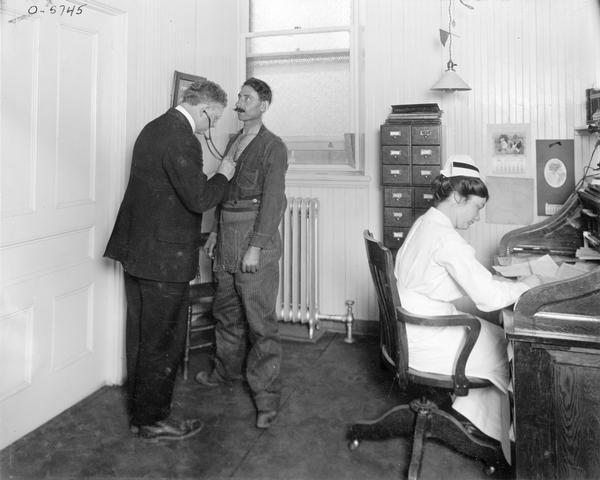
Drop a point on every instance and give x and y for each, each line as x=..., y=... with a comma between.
x=489, y=470
x=353, y=444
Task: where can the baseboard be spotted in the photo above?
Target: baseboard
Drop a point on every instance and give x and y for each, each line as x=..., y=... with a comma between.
x=359, y=327
x=299, y=332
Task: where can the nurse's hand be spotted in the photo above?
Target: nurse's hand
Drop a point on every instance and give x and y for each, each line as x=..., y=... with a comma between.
x=532, y=280
x=250, y=260
x=209, y=246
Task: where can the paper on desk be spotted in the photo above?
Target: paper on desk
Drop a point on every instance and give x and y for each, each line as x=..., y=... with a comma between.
x=566, y=270
x=544, y=267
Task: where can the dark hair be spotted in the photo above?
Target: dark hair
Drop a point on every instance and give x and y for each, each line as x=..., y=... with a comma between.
x=260, y=87
x=443, y=186
x=204, y=92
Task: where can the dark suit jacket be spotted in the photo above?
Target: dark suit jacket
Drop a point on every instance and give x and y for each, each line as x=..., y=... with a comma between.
x=157, y=232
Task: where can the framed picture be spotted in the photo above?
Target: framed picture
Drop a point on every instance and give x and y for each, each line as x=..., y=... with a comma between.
x=181, y=81
x=509, y=147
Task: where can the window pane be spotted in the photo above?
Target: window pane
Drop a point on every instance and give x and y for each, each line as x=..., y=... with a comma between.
x=301, y=43
x=287, y=14
x=311, y=96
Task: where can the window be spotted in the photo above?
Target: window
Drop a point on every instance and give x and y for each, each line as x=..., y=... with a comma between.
x=306, y=51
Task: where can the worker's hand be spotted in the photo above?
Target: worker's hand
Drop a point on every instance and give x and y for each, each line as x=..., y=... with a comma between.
x=250, y=260
x=227, y=168
x=209, y=246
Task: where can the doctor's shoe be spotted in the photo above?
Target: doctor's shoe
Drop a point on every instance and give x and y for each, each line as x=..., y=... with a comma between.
x=265, y=419
x=170, y=429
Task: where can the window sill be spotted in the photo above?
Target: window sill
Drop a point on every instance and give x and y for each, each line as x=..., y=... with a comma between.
x=298, y=177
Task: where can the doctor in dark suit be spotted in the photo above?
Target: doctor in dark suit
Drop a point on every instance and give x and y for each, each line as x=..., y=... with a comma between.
x=156, y=238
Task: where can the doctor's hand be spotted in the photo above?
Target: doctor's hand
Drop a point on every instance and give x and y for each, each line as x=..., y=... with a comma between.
x=209, y=246
x=250, y=260
x=227, y=168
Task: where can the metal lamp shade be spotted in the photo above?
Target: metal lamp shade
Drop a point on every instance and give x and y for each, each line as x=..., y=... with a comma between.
x=450, y=81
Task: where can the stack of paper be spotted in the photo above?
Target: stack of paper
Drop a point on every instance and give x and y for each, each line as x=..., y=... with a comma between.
x=544, y=267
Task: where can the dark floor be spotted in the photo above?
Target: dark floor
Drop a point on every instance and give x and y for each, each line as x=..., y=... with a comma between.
x=327, y=385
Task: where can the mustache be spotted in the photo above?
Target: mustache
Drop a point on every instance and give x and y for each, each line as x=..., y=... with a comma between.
x=238, y=109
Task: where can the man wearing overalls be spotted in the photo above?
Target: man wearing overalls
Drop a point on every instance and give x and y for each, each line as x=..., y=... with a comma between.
x=245, y=246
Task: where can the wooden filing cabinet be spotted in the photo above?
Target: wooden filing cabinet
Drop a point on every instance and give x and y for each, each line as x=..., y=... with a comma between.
x=410, y=160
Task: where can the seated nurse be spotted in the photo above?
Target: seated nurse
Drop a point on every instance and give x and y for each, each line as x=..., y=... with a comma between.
x=436, y=266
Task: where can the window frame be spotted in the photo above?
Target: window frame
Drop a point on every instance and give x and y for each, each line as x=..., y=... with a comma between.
x=356, y=130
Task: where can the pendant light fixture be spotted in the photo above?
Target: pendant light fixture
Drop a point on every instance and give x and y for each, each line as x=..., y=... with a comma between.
x=450, y=81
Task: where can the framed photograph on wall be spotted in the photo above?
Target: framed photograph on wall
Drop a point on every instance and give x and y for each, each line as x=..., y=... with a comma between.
x=181, y=81
x=510, y=150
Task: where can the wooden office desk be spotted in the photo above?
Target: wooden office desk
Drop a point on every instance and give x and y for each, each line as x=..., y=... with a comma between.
x=556, y=374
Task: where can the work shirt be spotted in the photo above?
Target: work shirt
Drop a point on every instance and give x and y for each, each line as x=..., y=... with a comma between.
x=259, y=179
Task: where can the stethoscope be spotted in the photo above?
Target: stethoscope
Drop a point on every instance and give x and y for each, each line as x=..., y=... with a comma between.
x=209, y=141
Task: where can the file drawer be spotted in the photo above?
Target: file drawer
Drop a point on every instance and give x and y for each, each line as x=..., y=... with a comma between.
x=425, y=135
x=395, y=174
x=395, y=154
x=426, y=155
x=423, y=197
x=424, y=174
x=401, y=217
x=395, y=135
x=398, y=197
x=394, y=237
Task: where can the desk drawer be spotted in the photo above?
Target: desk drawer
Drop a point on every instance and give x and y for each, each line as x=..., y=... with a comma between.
x=424, y=174
x=395, y=134
x=425, y=134
x=393, y=237
x=426, y=155
x=397, y=197
x=423, y=197
x=395, y=154
x=401, y=217
x=395, y=174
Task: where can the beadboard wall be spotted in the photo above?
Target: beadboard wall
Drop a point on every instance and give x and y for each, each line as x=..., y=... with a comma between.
x=527, y=62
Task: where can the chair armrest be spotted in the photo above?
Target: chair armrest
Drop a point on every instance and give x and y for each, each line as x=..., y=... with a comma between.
x=473, y=327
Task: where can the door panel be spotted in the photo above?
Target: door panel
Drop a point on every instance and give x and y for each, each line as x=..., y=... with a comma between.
x=57, y=164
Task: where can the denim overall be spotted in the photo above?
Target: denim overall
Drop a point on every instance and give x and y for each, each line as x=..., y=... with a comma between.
x=244, y=306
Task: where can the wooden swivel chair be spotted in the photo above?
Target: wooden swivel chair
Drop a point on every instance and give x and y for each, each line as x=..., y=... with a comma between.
x=422, y=416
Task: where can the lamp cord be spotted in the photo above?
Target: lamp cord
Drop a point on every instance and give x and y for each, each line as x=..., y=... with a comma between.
x=450, y=62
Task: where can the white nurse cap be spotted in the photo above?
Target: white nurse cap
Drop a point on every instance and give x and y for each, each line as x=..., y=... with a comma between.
x=460, y=165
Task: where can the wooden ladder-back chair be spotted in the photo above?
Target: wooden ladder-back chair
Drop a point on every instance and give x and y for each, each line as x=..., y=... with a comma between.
x=422, y=416
x=200, y=321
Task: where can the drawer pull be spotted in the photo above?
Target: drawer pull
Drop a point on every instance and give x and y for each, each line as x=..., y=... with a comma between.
x=425, y=133
x=398, y=215
x=395, y=172
x=395, y=153
x=425, y=173
x=427, y=196
x=397, y=196
x=426, y=152
x=398, y=234
x=395, y=133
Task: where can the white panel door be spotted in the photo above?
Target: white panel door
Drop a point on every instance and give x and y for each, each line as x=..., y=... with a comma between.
x=62, y=76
